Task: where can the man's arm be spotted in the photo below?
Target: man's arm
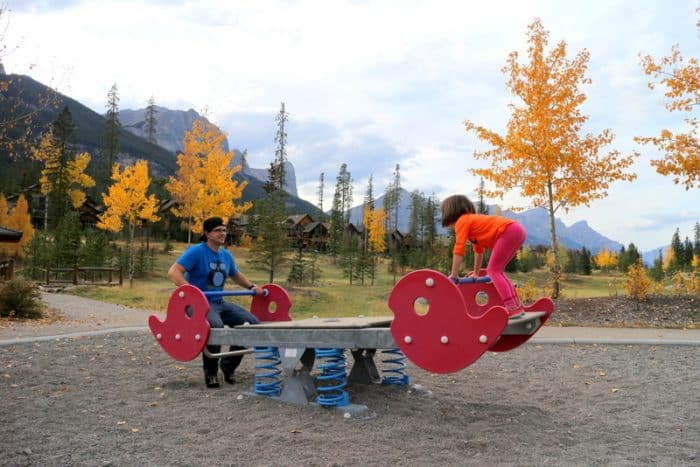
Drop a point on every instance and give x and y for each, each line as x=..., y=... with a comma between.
x=176, y=273
x=240, y=279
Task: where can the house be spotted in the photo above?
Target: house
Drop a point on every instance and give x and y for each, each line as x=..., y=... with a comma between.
x=237, y=226
x=304, y=232
x=7, y=266
x=398, y=241
x=296, y=225
x=315, y=236
x=89, y=213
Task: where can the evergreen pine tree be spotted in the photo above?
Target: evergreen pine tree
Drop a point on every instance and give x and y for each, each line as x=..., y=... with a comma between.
x=657, y=270
x=110, y=139
x=678, y=250
x=151, y=123
x=320, y=193
x=271, y=245
x=64, y=144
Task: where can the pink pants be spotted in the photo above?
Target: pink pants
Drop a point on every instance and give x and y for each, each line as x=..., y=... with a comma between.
x=507, y=245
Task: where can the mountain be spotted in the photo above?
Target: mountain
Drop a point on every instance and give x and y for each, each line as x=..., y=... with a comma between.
x=650, y=256
x=535, y=221
x=89, y=128
x=171, y=126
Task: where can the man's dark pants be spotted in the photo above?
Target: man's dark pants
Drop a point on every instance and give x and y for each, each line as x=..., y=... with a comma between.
x=229, y=314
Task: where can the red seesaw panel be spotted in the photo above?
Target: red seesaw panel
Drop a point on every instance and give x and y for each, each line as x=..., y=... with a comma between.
x=486, y=293
x=185, y=331
x=446, y=338
x=510, y=342
x=273, y=306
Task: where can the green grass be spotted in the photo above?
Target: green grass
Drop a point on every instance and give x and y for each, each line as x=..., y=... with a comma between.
x=332, y=297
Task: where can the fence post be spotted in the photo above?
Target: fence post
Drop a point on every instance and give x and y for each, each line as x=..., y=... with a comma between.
x=121, y=276
x=47, y=275
x=75, y=274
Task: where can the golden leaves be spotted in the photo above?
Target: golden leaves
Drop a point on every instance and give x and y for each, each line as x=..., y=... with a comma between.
x=62, y=173
x=126, y=200
x=681, y=79
x=605, y=259
x=19, y=219
x=204, y=184
x=638, y=283
x=542, y=152
x=375, y=222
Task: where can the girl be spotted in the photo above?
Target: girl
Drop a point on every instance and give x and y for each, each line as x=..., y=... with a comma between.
x=501, y=235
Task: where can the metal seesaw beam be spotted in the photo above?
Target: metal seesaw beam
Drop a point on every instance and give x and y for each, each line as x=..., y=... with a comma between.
x=346, y=333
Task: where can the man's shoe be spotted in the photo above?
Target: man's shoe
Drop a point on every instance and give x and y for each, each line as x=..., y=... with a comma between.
x=211, y=381
x=229, y=378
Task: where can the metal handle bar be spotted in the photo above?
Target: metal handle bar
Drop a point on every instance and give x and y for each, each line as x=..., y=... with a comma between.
x=471, y=280
x=228, y=293
x=230, y=353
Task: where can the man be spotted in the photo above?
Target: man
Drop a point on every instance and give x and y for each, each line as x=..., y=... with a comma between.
x=206, y=266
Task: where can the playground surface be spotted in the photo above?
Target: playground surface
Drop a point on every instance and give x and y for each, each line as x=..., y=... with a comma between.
x=117, y=399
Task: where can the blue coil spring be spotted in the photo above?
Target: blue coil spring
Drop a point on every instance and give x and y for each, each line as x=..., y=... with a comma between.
x=396, y=373
x=267, y=371
x=333, y=378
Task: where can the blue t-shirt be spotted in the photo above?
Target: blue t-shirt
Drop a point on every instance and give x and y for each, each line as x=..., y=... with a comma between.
x=206, y=269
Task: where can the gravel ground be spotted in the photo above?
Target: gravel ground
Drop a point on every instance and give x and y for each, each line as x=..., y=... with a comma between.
x=118, y=399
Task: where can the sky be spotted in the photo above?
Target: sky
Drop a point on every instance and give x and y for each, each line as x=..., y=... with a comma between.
x=372, y=83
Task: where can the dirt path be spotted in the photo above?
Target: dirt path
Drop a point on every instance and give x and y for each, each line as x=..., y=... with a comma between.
x=70, y=314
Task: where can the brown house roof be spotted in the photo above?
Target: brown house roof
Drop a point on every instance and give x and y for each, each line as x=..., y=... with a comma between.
x=10, y=235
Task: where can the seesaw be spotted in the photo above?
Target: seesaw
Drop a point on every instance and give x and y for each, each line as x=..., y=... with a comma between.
x=439, y=325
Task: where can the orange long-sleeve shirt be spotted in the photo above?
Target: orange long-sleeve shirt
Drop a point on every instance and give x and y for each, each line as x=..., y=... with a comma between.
x=480, y=230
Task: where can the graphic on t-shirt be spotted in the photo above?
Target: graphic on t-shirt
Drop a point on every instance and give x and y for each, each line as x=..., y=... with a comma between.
x=217, y=275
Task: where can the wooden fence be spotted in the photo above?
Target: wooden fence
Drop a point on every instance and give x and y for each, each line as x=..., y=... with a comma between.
x=84, y=275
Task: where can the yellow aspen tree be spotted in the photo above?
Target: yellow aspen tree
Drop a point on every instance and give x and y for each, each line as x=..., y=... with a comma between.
x=669, y=260
x=681, y=79
x=377, y=230
x=542, y=153
x=4, y=214
x=695, y=262
x=61, y=177
x=20, y=220
x=638, y=283
x=605, y=259
x=204, y=184
x=79, y=179
x=128, y=205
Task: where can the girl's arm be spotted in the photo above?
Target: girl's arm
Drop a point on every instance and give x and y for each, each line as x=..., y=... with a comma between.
x=456, y=262
x=478, y=259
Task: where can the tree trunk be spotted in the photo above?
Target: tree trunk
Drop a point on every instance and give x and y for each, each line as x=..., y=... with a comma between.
x=556, y=268
x=130, y=255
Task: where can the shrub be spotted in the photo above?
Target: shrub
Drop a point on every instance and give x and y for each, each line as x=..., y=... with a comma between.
x=638, y=283
x=19, y=298
x=528, y=292
x=167, y=245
